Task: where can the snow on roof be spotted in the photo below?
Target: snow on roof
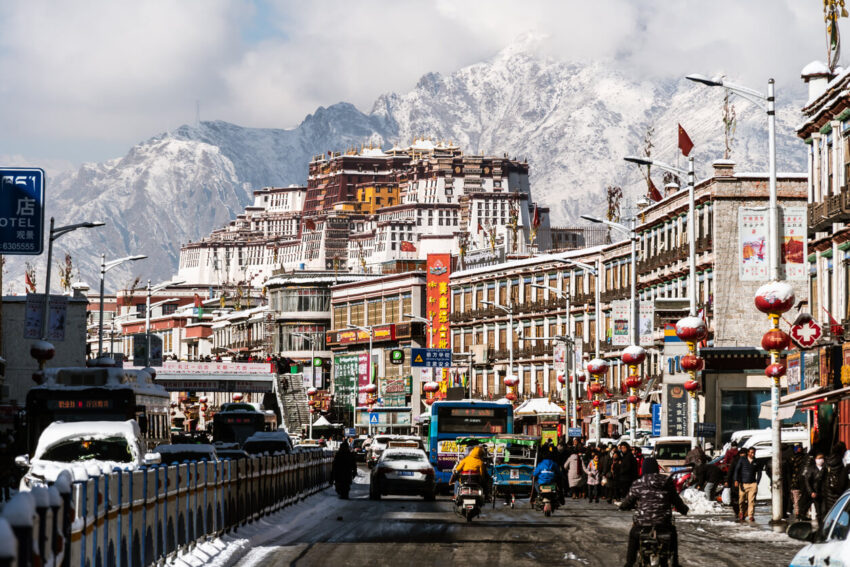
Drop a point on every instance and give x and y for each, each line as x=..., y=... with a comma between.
x=372, y=152
x=20, y=511
x=542, y=259
x=538, y=406
x=815, y=68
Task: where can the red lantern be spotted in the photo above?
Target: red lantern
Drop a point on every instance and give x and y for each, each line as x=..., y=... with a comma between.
x=608, y=394
x=42, y=350
x=774, y=298
x=633, y=355
x=562, y=379
x=237, y=397
x=691, y=329
x=775, y=339
x=312, y=410
x=38, y=377
x=174, y=404
x=633, y=399
x=692, y=363
x=203, y=399
x=429, y=401
x=597, y=366
x=633, y=381
x=596, y=403
x=311, y=403
x=511, y=381
x=594, y=387
x=510, y=396
x=581, y=377
x=691, y=385
x=431, y=386
x=203, y=407
x=369, y=389
x=312, y=391
x=775, y=370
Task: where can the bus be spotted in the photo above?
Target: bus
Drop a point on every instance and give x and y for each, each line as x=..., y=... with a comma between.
x=237, y=421
x=99, y=394
x=450, y=420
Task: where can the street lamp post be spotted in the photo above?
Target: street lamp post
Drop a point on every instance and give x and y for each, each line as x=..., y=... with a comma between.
x=53, y=235
x=510, y=311
x=595, y=271
x=634, y=317
x=105, y=267
x=366, y=329
x=768, y=104
x=148, y=308
x=565, y=334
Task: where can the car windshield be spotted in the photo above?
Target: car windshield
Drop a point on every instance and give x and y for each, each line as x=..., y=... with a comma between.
x=84, y=449
x=672, y=450
x=404, y=457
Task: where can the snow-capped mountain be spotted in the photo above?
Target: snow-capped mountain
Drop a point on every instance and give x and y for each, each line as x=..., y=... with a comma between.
x=573, y=122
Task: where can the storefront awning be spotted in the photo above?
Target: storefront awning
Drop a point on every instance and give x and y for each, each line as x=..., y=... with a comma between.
x=789, y=403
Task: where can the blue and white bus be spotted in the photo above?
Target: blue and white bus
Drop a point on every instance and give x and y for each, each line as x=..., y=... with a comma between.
x=450, y=420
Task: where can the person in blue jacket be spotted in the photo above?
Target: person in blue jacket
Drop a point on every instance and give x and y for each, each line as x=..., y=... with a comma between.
x=547, y=471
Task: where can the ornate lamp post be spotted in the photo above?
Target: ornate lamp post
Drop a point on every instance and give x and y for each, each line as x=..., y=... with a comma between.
x=774, y=299
x=692, y=330
x=597, y=368
x=633, y=356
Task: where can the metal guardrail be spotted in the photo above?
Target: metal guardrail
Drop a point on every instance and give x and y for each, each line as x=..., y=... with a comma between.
x=145, y=517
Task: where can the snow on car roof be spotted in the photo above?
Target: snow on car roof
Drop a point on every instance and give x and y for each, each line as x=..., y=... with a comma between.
x=60, y=431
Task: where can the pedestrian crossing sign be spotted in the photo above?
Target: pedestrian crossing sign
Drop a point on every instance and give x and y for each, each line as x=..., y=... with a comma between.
x=373, y=418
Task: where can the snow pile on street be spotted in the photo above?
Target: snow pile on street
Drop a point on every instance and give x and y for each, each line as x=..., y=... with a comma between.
x=698, y=504
x=230, y=549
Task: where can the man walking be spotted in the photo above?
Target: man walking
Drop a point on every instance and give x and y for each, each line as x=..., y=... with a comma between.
x=747, y=476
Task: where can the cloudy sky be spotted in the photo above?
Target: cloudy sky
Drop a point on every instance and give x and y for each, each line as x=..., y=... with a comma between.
x=84, y=80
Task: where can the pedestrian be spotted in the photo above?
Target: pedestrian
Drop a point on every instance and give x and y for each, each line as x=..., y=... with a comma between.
x=628, y=471
x=797, y=470
x=343, y=470
x=593, y=479
x=574, y=471
x=712, y=478
x=605, y=473
x=813, y=480
x=835, y=482
x=731, y=453
x=747, y=476
x=695, y=457
x=730, y=482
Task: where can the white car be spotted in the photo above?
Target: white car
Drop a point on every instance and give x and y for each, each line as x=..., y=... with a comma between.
x=85, y=448
x=403, y=470
x=831, y=546
x=382, y=442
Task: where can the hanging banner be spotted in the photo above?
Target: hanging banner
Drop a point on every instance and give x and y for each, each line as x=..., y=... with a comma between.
x=647, y=323
x=794, y=372
x=752, y=243
x=794, y=244
x=345, y=376
x=559, y=359
x=363, y=378
x=437, y=296
x=620, y=323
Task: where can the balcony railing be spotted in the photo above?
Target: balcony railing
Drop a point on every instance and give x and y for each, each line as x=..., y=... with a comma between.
x=833, y=208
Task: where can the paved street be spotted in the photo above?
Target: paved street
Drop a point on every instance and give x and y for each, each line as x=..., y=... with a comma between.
x=409, y=531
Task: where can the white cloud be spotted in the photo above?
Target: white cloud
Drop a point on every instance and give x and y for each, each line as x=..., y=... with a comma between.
x=97, y=76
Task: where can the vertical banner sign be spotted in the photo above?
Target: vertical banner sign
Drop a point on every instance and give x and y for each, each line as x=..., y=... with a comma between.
x=437, y=298
x=363, y=378
x=811, y=369
x=620, y=323
x=646, y=326
x=345, y=378
x=752, y=243
x=794, y=372
x=578, y=346
x=21, y=211
x=559, y=358
x=677, y=410
x=57, y=312
x=794, y=244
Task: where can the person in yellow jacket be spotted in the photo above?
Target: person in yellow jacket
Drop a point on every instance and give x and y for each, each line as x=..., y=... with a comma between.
x=473, y=463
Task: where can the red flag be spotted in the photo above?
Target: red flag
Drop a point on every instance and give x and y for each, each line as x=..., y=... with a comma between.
x=309, y=224
x=685, y=143
x=28, y=281
x=407, y=246
x=654, y=193
x=197, y=300
x=535, y=222
x=479, y=227
x=834, y=326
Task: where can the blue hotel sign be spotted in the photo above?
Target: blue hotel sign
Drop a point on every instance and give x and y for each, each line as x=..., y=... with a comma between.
x=21, y=211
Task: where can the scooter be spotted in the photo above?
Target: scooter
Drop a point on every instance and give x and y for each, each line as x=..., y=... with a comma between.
x=547, y=498
x=469, y=496
x=655, y=548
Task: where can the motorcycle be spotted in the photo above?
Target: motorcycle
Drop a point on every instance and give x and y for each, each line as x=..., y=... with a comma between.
x=656, y=549
x=547, y=498
x=469, y=496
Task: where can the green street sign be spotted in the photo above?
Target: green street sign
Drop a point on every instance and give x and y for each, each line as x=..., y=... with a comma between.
x=397, y=356
x=317, y=361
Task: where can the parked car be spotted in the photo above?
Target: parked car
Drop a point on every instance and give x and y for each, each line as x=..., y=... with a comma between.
x=403, y=471
x=98, y=447
x=188, y=452
x=230, y=451
x=670, y=452
x=268, y=442
x=831, y=545
x=358, y=450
